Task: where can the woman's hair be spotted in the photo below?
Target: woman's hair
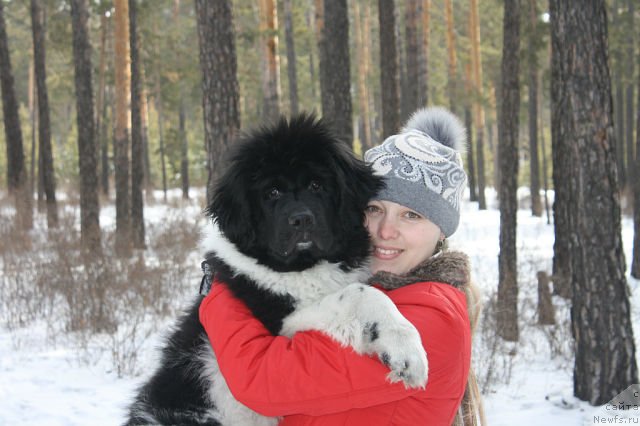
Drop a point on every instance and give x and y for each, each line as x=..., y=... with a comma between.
x=471, y=412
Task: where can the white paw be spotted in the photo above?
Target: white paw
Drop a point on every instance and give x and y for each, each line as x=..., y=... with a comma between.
x=400, y=348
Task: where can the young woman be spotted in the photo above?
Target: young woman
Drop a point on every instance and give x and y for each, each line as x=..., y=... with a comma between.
x=312, y=380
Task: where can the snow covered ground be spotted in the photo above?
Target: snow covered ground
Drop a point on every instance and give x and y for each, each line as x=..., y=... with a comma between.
x=50, y=381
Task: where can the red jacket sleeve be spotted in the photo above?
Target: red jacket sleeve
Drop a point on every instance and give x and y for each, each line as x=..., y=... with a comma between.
x=311, y=373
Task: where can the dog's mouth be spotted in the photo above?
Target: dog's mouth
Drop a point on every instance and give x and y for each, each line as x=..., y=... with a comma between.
x=302, y=242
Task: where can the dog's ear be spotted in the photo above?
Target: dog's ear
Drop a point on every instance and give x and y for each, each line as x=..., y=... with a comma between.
x=230, y=208
x=357, y=178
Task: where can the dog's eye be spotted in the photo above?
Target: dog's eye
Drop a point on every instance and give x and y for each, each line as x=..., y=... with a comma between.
x=273, y=193
x=314, y=186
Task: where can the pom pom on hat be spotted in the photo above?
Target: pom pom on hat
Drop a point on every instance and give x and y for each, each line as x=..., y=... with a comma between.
x=441, y=125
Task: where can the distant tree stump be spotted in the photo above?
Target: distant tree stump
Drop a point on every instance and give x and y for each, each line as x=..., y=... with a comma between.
x=546, y=312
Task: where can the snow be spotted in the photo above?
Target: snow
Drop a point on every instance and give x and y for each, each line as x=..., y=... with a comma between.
x=55, y=382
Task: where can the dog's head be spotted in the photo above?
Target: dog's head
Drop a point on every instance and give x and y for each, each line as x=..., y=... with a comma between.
x=292, y=195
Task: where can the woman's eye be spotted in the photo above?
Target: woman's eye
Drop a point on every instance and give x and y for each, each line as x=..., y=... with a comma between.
x=314, y=186
x=412, y=215
x=273, y=194
x=371, y=209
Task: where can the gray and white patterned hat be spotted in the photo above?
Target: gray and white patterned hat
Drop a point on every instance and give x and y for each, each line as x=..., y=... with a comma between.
x=422, y=167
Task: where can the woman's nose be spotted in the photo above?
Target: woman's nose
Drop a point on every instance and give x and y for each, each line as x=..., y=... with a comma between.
x=387, y=229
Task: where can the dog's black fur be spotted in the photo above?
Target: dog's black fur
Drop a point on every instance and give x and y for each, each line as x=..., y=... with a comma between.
x=292, y=196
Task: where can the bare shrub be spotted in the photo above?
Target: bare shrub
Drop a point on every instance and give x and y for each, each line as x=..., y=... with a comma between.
x=493, y=357
x=103, y=302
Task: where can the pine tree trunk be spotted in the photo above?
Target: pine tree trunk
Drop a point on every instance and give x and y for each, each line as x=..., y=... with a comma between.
x=219, y=82
x=159, y=110
x=144, y=121
x=100, y=102
x=452, y=63
x=271, y=69
x=618, y=111
x=468, y=122
x=362, y=57
x=291, y=58
x=137, y=145
x=545, y=183
x=534, y=162
x=410, y=98
x=605, y=361
x=184, y=152
x=16, y=166
x=335, y=66
x=545, y=311
x=38, y=25
x=87, y=156
x=389, y=69
x=508, y=148
x=319, y=34
x=635, y=260
x=33, y=117
x=402, y=65
x=560, y=160
x=629, y=95
x=121, y=141
x=423, y=92
x=104, y=142
x=476, y=61
x=310, y=20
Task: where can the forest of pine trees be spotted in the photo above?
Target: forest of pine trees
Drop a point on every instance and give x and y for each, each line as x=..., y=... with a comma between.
x=109, y=100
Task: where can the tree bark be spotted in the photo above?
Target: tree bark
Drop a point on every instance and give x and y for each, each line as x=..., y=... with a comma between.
x=468, y=122
x=560, y=173
x=362, y=57
x=423, y=93
x=87, y=156
x=17, y=180
x=159, y=110
x=33, y=118
x=630, y=59
x=100, y=102
x=479, y=121
x=410, y=98
x=534, y=162
x=219, y=82
x=508, y=148
x=104, y=142
x=335, y=66
x=389, y=69
x=291, y=58
x=38, y=26
x=605, y=360
x=121, y=142
x=184, y=152
x=271, y=69
x=546, y=311
x=452, y=61
x=635, y=261
x=137, y=144
x=618, y=111
x=144, y=122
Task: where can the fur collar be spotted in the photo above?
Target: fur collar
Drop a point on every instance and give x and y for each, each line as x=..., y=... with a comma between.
x=450, y=267
x=305, y=286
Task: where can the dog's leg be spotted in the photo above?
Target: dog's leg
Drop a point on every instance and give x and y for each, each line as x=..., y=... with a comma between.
x=364, y=318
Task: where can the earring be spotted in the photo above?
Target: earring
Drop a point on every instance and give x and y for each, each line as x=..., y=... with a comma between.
x=440, y=245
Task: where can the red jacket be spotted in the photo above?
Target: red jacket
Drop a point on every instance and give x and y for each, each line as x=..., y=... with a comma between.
x=312, y=380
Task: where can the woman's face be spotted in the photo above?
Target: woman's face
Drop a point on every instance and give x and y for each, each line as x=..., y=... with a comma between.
x=402, y=238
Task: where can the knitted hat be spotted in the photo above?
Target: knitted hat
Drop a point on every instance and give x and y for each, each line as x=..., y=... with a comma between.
x=423, y=167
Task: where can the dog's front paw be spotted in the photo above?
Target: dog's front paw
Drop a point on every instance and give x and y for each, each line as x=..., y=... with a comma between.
x=400, y=348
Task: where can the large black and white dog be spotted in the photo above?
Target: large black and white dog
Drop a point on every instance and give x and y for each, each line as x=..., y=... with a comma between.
x=288, y=239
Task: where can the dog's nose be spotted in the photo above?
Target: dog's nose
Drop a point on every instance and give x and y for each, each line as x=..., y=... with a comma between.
x=302, y=219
